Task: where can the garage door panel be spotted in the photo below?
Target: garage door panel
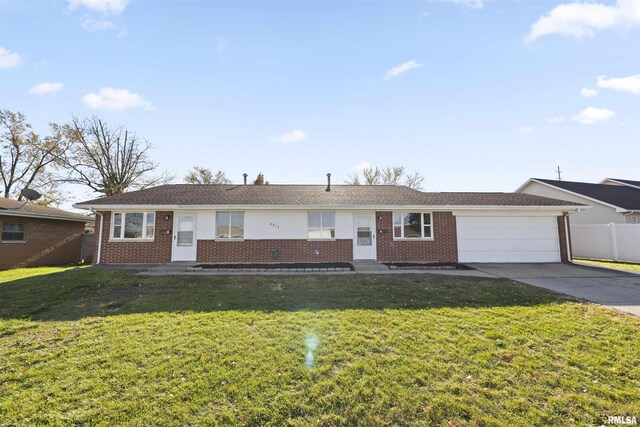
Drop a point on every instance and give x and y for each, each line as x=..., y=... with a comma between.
x=508, y=239
x=508, y=245
x=507, y=256
x=513, y=233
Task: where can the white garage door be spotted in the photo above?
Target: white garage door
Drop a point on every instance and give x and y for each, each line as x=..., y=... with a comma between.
x=507, y=239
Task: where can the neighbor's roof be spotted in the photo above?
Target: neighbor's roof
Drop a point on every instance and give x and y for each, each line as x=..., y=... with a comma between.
x=625, y=182
x=18, y=208
x=627, y=198
x=312, y=195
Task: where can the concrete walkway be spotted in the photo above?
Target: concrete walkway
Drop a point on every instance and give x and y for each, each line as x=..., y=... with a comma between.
x=616, y=289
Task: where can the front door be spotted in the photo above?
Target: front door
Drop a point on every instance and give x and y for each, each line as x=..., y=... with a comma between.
x=364, y=241
x=184, y=237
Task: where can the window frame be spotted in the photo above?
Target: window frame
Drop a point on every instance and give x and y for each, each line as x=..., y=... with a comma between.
x=24, y=233
x=422, y=225
x=145, y=216
x=321, y=228
x=230, y=239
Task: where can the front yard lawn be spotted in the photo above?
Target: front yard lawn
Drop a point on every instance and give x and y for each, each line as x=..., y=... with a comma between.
x=96, y=347
x=619, y=265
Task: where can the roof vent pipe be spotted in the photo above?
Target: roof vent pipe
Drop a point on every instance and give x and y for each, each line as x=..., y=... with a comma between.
x=328, y=182
x=245, y=178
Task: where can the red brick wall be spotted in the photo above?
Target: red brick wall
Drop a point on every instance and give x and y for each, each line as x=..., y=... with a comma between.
x=563, y=238
x=49, y=242
x=157, y=251
x=444, y=247
x=260, y=251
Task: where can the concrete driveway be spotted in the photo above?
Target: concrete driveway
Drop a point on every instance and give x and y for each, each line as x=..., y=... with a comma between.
x=615, y=289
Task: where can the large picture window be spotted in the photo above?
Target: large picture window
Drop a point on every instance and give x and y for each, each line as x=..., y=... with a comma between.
x=321, y=225
x=229, y=225
x=14, y=232
x=133, y=225
x=412, y=225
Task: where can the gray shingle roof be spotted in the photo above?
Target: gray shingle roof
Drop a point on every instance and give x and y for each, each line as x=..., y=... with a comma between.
x=623, y=197
x=9, y=206
x=314, y=195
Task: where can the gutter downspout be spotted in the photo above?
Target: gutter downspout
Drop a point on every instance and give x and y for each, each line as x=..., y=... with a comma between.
x=98, y=256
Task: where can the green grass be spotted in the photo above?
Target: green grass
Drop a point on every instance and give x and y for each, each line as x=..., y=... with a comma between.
x=620, y=265
x=95, y=347
x=21, y=273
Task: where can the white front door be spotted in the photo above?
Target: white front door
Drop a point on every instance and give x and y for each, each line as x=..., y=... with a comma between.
x=184, y=237
x=364, y=236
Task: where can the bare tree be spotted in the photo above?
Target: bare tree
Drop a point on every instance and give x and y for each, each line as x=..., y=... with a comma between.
x=25, y=157
x=201, y=175
x=109, y=160
x=260, y=180
x=394, y=175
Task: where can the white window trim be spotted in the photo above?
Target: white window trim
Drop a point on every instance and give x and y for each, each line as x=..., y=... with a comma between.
x=321, y=228
x=402, y=213
x=229, y=239
x=144, y=227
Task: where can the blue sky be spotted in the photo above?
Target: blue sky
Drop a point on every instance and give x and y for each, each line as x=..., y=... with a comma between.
x=475, y=95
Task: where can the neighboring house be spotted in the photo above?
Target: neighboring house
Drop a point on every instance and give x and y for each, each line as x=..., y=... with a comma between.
x=314, y=223
x=625, y=182
x=34, y=235
x=612, y=201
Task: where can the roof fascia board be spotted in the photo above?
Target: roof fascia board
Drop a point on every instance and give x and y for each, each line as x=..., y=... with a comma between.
x=624, y=184
x=523, y=185
x=43, y=216
x=329, y=207
x=580, y=195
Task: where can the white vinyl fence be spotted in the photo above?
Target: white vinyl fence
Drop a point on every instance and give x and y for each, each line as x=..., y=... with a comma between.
x=619, y=242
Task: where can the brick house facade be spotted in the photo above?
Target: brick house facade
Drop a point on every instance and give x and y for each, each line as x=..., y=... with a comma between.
x=34, y=236
x=275, y=224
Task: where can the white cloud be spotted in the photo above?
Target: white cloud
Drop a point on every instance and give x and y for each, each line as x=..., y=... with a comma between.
x=585, y=91
x=362, y=166
x=583, y=19
x=476, y=4
x=113, y=7
x=101, y=25
x=629, y=84
x=293, y=136
x=8, y=59
x=112, y=99
x=48, y=87
x=592, y=115
x=527, y=130
x=402, y=68
x=556, y=119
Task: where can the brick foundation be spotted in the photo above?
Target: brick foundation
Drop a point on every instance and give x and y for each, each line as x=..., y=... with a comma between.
x=444, y=247
x=261, y=250
x=157, y=251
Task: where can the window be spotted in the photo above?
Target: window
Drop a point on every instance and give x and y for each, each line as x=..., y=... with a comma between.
x=321, y=225
x=229, y=225
x=14, y=232
x=634, y=220
x=133, y=225
x=410, y=225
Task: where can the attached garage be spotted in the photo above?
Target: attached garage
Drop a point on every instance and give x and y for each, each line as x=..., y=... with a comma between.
x=497, y=238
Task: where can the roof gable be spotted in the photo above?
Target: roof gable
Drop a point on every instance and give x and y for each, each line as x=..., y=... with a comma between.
x=626, y=182
x=622, y=197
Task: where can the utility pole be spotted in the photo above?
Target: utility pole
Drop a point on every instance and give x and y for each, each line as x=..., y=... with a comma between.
x=559, y=172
